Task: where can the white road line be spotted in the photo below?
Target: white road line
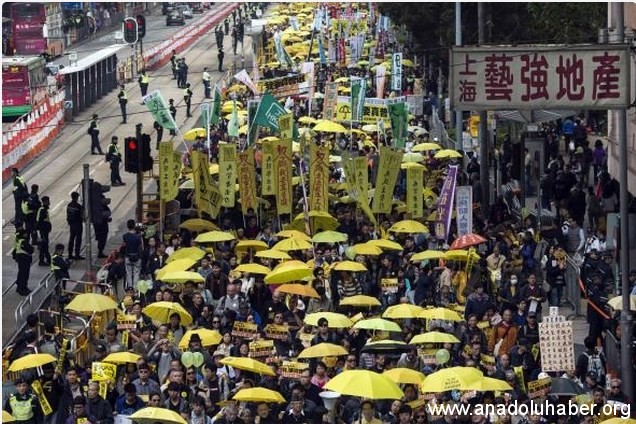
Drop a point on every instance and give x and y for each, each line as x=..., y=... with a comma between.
x=5, y=237
x=10, y=252
x=57, y=205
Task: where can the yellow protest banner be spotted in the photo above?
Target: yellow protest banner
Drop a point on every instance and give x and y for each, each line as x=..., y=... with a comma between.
x=165, y=170
x=389, y=285
x=261, y=348
x=283, y=174
x=126, y=322
x=247, y=180
x=388, y=171
x=215, y=201
x=519, y=373
x=279, y=332
x=177, y=165
x=293, y=370
x=356, y=188
x=362, y=174
x=227, y=174
x=268, y=185
x=286, y=126
x=202, y=181
x=318, y=178
x=371, y=112
x=103, y=389
x=414, y=193
x=244, y=330
x=102, y=371
x=44, y=402
x=348, y=165
x=539, y=388
x=125, y=335
x=62, y=355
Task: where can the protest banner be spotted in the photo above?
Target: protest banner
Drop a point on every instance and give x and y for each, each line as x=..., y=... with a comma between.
x=389, y=285
x=293, y=370
x=227, y=174
x=388, y=171
x=247, y=180
x=165, y=170
x=126, y=322
x=539, y=388
x=202, y=183
x=277, y=332
x=286, y=126
x=330, y=101
x=464, y=215
x=556, y=342
x=445, y=204
x=283, y=175
x=318, y=178
x=305, y=338
x=261, y=348
x=414, y=194
x=44, y=402
x=244, y=330
x=102, y=371
x=428, y=356
x=268, y=185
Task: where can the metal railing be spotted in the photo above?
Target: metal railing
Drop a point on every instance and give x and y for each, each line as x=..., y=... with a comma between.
x=438, y=130
x=35, y=300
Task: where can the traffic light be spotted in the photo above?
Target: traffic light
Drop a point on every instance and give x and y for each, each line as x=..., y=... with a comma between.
x=141, y=26
x=100, y=212
x=146, y=159
x=130, y=30
x=131, y=155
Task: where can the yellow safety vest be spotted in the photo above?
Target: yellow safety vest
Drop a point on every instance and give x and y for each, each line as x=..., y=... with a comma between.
x=145, y=79
x=47, y=219
x=17, y=246
x=25, y=207
x=21, y=182
x=186, y=93
x=123, y=95
x=22, y=410
x=96, y=127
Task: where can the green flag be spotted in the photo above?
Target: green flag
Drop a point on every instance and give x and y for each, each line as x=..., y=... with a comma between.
x=216, y=107
x=204, y=120
x=268, y=112
x=399, y=123
x=159, y=110
x=252, y=107
x=358, y=86
x=233, y=125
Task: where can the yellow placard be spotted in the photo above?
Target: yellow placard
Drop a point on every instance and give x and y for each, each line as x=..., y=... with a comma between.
x=389, y=285
x=283, y=175
x=279, y=332
x=473, y=126
x=305, y=337
x=414, y=194
x=539, y=388
x=488, y=360
x=361, y=170
x=388, y=171
x=519, y=373
x=103, y=389
x=227, y=174
x=261, y=348
x=293, y=370
x=371, y=113
x=177, y=165
x=126, y=322
x=286, y=126
x=202, y=181
x=247, y=180
x=125, y=335
x=318, y=178
x=44, y=402
x=165, y=170
x=62, y=356
x=102, y=371
x=245, y=330
x=268, y=186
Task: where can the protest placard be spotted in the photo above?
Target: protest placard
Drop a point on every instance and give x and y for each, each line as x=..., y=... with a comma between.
x=102, y=371
x=389, y=285
x=276, y=332
x=293, y=370
x=244, y=330
x=126, y=322
x=556, y=342
x=261, y=348
x=538, y=388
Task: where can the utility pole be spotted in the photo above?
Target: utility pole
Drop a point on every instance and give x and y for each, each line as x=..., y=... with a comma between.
x=627, y=320
x=139, y=176
x=483, y=128
x=86, y=193
x=459, y=120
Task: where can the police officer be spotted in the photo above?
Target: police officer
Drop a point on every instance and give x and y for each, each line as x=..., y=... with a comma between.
x=22, y=405
x=187, y=97
x=182, y=73
x=123, y=101
x=143, y=83
x=114, y=158
x=226, y=22
x=75, y=220
x=219, y=37
x=206, y=83
x=220, y=57
x=22, y=254
x=30, y=208
x=20, y=193
x=157, y=126
x=93, y=130
x=44, y=228
x=173, y=112
x=174, y=62
x=59, y=265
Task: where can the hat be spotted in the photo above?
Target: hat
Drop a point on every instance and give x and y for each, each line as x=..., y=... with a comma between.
x=543, y=375
x=195, y=338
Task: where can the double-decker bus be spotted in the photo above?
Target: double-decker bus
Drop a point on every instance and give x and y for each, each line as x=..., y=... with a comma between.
x=24, y=84
x=26, y=28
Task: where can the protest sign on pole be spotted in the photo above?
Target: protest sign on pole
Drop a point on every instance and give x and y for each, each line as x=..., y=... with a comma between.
x=227, y=174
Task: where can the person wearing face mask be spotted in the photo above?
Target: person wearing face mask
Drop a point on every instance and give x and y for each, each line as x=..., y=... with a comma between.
x=509, y=297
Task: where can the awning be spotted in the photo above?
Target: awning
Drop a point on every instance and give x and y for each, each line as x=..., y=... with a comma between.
x=534, y=116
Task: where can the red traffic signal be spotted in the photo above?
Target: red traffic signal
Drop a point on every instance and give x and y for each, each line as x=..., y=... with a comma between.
x=130, y=30
x=141, y=26
x=132, y=144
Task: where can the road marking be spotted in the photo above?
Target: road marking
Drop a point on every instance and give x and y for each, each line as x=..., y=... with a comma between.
x=10, y=252
x=57, y=205
x=5, y=237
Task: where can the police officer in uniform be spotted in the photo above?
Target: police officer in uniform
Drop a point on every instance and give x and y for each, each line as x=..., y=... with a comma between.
x=20, y=192
x=59, y=265
x=114, y=158
x=226, y=22
x=157, y=126
x=22, y=254
x=23, y=406
x=75, y=220
x=143, y=83
x=123, y=101
x=44, y=228
x=93, y=130
x=173, y=63
x=30, y=208
x=206, y=83
x=187, y=97
x=173, y=112
x=220, y=57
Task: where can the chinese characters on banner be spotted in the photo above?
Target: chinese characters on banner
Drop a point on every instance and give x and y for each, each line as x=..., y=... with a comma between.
x=399, y=123
x=318, y=178
x=202, y=182
x=165, y=170
x=286, y=126
x=396, y=72
x=362, y=175
x=227, y=174
x=267, y=187
x=588, y=77
x=330, y=101
x=247, y=180
x=445, y=204
x=556, y=342
x=414, y=194
x=464, y=204
x=374, y=109
x=283, y=175
x=176, y=174
x=388, y=171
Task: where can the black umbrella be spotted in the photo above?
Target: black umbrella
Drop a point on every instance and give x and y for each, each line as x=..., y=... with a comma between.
x=565, y=387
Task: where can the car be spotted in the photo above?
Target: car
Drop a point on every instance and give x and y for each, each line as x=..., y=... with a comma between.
x=167, y=8
x=175, y=17
x=187, y=12
x=197, y=7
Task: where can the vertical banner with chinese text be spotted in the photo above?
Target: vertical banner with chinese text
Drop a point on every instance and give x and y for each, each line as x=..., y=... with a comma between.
x=227, y=174
x=388, y=171
x=283, y=175
x=268, y=178
x=176, y=175
x=464, y=205
x=330, y=101
x=286, y=126
x=318, y=178
x=399, y=124
x=165, y=171
x=202, y=182
x=396, y=72
x=414, y=191
x=247, y=180
x=361, y=169
x=445, y=204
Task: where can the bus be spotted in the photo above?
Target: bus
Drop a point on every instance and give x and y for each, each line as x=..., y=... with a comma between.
x=24, y=84
x=26, y=28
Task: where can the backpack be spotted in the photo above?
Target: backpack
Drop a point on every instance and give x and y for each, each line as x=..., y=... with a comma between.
x=595, y=364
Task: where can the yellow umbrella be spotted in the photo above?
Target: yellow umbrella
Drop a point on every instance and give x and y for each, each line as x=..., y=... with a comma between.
x=330, y=236
x=349, y=266
x=91, y=302
x=258, y=395
x=460, y=255
x=272, y=254
x=447, y=154
x=360, y=300
x=214, y=237
x=425, y=147
x=317, y=221
x=330, y=127
x=193, y=253
x=427, y=255
x=370, y=128
x=412, y=157
x=454, y=378
x=288, y=271
x=299, y=289
x=194, y=133
x=405, y=376
x=321, y=350
x=161, y=311
x=366, y=384
x=230, y=102
x=289, y=244
x=182, y=277
x=411, y=165
x=341, y=79
x=366, y=249
x=334, y=319
x=293, y=233
x=386, y=244
x=434, y=337
x=402, y=311
x=208, y=338
x=408, y=226
x=251, y=244
x=248, y=364
x=174, y=266
x=441, y=314
x=377, y=324
x=307, y=120
x=152, y=415
x=268, y=139
x=198, y=224
x=253, y=269
x=487, y=384
x=32, y=360
x=617, y=303
x=6, y=417
x=122, y=358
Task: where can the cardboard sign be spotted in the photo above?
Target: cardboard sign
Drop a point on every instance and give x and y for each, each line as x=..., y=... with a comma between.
x=276, y=332
x=261, y=348
x=389, y=285
x=305, y=337
x=556, y=342
x=539, y=388
x=244, y=330
x=293, y=370
x=101, y=371
x=428, y=356
x=126, y=322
